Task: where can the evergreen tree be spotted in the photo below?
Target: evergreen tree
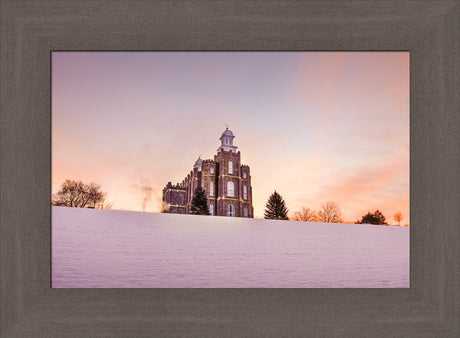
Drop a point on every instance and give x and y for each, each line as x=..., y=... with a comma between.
x=375, y=218
x=275, y=208
x=199, y=203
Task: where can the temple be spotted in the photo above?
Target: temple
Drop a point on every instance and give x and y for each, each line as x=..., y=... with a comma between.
x=226, y=182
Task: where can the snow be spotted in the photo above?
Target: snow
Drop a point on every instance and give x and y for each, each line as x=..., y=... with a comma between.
x=94, y=248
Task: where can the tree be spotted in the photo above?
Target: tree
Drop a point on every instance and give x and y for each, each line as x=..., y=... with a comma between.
x=330, y=213
x=375, y=218
x=80, y=195
x=398, y=217
x=306, y=215
x=275, y=208
x=199, y=203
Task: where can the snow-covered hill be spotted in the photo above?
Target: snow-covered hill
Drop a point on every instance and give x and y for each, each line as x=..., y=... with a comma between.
x=110, y=248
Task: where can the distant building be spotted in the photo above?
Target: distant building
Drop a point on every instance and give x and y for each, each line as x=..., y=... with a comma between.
x=227, y=184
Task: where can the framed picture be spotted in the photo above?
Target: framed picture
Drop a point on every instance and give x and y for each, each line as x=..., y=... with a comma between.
x=32, y=30
x=305, y=186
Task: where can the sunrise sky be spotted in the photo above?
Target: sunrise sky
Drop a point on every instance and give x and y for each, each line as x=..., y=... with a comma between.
x=314, y=126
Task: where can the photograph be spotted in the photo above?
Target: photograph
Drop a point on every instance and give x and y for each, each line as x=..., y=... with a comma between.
x=230, y=169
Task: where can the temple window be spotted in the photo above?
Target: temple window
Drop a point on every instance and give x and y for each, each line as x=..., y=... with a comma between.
x=211, y=209
x=230, y=189
x=231, y=210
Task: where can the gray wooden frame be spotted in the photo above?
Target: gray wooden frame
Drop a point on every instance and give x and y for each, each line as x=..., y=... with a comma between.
x=31, y=29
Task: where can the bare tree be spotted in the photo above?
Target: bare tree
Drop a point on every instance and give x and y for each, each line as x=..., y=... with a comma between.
x=330, y=213
x=306, y=215
x=80, y=195
x=398, y=217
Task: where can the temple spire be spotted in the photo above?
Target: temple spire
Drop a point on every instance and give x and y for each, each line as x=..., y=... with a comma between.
x=226, y=140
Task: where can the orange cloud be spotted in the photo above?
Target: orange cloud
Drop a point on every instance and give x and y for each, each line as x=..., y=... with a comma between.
x=367, y=190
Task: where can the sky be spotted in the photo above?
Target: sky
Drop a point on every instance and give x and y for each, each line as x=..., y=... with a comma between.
x=314, y=126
